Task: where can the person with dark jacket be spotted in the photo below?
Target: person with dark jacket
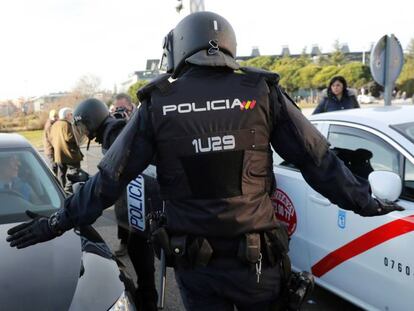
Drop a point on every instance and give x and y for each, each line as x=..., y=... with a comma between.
x=47, y=144
x=211, y=127
x=337, y=97
x=92, y=118
x=122, y=109
x=67, y=153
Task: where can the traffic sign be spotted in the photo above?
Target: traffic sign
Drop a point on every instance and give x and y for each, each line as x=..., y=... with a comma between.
x=387, y=59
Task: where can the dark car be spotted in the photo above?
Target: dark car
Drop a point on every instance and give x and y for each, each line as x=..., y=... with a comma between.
x=75, y=271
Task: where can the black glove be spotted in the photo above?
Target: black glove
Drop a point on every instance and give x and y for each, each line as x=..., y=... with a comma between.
x=383, y=207
x=32, y=232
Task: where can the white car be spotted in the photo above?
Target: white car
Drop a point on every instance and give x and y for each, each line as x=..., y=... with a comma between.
x=366, y=260
x=365, y=99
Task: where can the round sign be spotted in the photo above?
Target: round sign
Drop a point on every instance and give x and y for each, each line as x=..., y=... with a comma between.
x=387, y=59
x=284, y=210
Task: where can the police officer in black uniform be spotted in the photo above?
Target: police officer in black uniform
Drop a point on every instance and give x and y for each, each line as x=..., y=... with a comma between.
x=92, y=119
x=211, y=129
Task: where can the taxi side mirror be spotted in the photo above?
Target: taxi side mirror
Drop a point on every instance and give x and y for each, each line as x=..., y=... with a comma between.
x=385, y=185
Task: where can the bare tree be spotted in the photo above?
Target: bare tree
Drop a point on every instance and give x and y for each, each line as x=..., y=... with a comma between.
x=87, y=85
x=70, y=100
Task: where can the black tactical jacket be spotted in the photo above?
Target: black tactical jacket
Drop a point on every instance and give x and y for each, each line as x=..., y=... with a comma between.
x=243, y=205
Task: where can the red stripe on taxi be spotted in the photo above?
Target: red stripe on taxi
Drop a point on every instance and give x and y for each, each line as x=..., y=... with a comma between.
x=363, y=243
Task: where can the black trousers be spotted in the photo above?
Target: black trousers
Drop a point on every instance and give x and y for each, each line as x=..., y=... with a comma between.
x=121, y=213
x=223, y=285
x=123, y=234
x=61, y=176
x=141, y=254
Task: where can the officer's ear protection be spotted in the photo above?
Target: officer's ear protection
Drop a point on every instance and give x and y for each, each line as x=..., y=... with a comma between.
x=167, y=60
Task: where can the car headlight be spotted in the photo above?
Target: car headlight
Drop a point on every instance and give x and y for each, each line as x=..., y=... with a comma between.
x=123, y=304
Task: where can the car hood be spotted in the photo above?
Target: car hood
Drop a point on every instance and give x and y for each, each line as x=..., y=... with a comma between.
x=56, y=275
x=41, y=277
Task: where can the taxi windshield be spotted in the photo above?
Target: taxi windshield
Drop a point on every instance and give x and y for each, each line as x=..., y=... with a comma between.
x=25, y=184
x=405, y=129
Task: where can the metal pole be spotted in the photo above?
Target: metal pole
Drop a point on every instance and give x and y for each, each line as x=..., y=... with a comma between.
x=163, y=273
x=163, y=281
x=388, y=85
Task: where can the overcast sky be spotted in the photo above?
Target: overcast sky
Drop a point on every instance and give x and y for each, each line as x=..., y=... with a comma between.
x=46, y=45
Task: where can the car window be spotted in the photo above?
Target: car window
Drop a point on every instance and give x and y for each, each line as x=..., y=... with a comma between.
x=405, y=129
x=408, y=190
x=362, y=152
x=25, y=184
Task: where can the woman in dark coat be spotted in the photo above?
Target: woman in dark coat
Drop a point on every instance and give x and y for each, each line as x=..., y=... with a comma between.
x=338, y=97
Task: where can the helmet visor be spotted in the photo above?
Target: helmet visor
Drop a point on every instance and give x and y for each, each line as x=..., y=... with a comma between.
x=80, y=132
x=167, y=60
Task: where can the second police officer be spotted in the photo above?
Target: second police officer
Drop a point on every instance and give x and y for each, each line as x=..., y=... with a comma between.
x=92, y=119
x=212, y=128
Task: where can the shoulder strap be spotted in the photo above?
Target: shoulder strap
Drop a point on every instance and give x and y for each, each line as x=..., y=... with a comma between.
x=161, y=82
x=253, y=76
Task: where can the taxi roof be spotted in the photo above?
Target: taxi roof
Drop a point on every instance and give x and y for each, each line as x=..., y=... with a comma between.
x=373, y=117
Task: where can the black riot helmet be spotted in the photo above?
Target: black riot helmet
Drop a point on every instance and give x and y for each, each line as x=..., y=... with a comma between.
x=89, y=116
x=198, y=31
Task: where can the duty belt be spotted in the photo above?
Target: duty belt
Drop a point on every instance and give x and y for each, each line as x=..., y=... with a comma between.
x=251, y=248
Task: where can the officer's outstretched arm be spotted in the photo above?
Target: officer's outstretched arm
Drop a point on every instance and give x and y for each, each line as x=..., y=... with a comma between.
x=129, y=155
x=297, y=141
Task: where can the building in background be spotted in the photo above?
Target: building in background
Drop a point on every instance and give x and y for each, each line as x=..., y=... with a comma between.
x=44, y=103
x=151, y=71
x=255, y=51
x=314, y=53
x=285, y=51
x=7, y=108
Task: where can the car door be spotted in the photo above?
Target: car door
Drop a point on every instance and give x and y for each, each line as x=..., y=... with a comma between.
x=365, y=259
x=290, y=202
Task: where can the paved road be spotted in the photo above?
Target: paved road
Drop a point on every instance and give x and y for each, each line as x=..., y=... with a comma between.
x=320, y=300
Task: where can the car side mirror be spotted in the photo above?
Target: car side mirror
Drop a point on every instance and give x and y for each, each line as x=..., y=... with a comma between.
x=385, y=185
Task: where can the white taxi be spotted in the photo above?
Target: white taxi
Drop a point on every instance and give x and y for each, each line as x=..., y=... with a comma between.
x=366, y=260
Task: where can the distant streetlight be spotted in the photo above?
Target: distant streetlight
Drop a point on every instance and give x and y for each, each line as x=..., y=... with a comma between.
x=179, y=6
x=195, y=6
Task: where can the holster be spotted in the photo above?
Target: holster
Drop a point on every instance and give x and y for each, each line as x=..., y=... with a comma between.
x=161, y=240
x=199, y=252
x=183, y=250
x=276, y=244
x=296, y=287
x=191, y=252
